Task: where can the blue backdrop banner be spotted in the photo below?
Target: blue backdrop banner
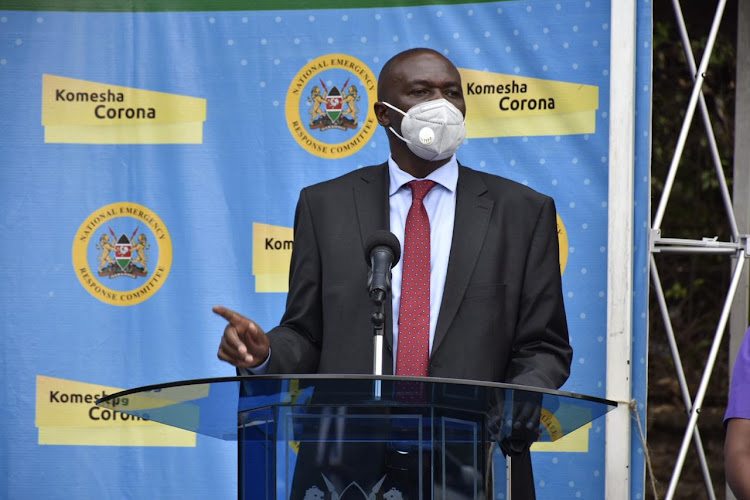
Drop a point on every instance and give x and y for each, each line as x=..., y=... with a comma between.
x=151, y=165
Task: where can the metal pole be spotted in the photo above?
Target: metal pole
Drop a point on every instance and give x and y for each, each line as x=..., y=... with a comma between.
x=739, y=319
x=378, y=326
x=707, y=124
x=681, y=375
x=707, y=243
x=725, y=251
x=699, y=77
x=696, y=407
x=378, y=361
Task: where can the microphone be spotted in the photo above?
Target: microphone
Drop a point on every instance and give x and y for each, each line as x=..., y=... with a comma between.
x=382, y=252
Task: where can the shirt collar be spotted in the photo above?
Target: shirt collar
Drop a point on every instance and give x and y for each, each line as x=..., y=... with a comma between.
x=446, y=176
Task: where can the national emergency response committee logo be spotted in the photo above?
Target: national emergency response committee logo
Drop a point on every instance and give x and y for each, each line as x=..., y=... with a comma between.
x=122, y=253
x=329, y=106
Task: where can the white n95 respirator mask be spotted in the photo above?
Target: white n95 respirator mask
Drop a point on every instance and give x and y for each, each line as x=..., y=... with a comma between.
x=433, y=130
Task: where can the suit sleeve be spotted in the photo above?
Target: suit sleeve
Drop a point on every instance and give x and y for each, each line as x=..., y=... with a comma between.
x=541, y=349
x=295, y=343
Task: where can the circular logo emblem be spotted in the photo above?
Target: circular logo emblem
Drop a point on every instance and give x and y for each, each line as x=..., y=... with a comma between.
x=122, y=253
x=329, y=106
x=562, y=239
x=551, y=425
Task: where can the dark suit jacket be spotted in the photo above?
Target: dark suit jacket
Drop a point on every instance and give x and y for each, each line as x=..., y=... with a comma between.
x=501, y=319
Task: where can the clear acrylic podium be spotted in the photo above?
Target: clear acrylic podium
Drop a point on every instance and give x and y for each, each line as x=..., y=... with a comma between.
x=360, y=437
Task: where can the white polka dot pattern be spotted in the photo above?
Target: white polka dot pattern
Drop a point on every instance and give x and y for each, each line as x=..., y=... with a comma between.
x=414, y=317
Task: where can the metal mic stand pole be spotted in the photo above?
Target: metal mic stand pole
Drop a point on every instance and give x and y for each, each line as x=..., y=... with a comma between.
x=378, y=327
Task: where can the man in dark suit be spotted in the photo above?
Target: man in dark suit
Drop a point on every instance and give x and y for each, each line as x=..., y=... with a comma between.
x=496, y=307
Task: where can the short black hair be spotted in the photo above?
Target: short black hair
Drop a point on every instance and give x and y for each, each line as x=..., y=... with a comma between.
x=390, y=63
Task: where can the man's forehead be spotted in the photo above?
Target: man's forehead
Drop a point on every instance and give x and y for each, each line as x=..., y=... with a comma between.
x=423, y=67
x=448, y=80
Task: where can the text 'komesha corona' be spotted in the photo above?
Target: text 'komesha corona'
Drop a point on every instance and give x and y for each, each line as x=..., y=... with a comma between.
x=510, y=102
x=104, y=112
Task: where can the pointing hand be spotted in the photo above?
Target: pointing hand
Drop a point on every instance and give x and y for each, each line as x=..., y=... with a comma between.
x=244, y=343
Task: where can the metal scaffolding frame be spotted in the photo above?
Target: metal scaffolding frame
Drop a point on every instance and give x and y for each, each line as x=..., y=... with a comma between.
x=737, y=249
x=738, y=320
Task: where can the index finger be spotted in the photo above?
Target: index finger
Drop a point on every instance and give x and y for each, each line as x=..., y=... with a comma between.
x=227, y=314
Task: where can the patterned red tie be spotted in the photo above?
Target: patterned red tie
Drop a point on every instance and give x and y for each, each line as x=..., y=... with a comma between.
x=412, y=354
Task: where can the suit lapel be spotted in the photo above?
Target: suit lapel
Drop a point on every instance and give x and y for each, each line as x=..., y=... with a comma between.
x=373, y=214
x=473, y=212
x=371, y=201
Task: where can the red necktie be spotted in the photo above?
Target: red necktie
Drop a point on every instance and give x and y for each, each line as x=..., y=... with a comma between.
x=412, y=354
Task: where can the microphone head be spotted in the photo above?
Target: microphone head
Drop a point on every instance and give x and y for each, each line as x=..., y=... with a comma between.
x=383, y=238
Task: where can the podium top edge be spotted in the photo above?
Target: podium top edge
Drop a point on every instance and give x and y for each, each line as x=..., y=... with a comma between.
x=355, y=377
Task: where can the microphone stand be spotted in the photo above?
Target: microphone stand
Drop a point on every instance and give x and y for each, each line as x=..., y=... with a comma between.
x=378, y=328
x=382, y=251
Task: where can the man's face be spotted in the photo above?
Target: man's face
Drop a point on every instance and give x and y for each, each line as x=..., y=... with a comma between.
x=424, y=76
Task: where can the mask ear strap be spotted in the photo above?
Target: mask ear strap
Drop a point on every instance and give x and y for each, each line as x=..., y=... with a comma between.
x=394, y=108
x=397, y=135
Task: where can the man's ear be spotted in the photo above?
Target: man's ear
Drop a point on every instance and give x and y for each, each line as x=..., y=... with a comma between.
x=381, y=113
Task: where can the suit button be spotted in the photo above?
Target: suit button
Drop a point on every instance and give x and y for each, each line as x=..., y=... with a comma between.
x=390, y=349
x=434, y=365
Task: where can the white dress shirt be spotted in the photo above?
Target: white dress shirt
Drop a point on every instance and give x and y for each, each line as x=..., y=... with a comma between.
x=440, y=204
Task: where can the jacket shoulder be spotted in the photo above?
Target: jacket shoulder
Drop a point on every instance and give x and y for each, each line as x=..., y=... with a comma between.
x=506, y=190
x=370, y=173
